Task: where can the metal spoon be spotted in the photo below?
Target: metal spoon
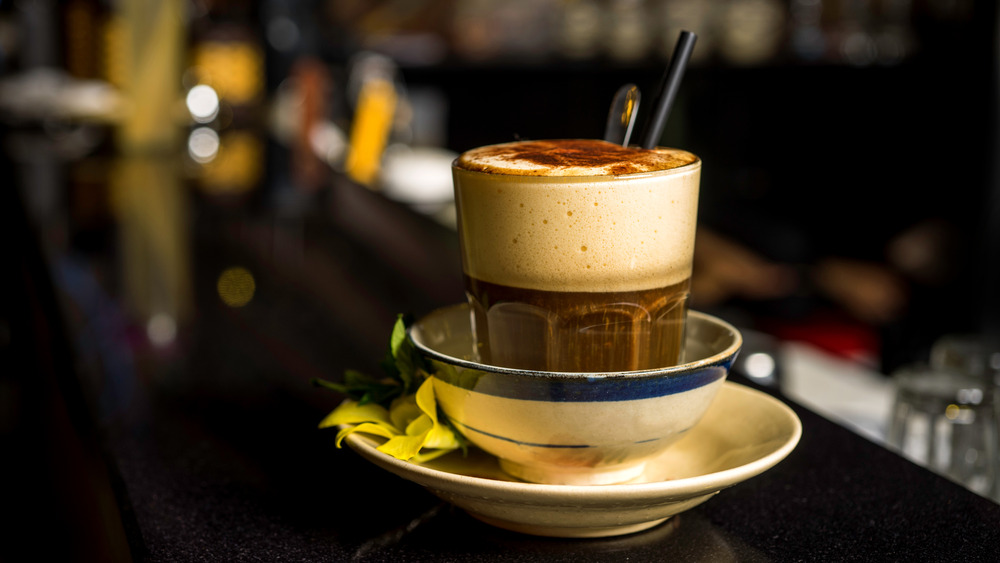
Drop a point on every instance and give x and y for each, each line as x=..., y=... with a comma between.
x=621, y=118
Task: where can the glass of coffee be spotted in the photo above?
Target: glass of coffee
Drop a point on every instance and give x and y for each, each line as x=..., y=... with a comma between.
x=577, y=253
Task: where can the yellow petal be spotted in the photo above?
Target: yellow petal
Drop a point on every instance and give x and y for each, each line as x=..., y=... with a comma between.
x=441, y=436
x=410, y=425
x=403, y=411
x=426, y=454
x=426, y=400
x=368, y=428
x=421, y=426
x=350, y=412
x=403, y=447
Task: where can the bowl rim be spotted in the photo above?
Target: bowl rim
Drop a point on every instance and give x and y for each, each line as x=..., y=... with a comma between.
x=728, y=354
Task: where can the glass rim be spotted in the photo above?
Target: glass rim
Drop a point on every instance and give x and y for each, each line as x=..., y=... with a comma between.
x=572, y=178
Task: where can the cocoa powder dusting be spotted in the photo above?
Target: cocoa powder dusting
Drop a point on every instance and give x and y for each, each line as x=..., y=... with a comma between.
x=576, y=156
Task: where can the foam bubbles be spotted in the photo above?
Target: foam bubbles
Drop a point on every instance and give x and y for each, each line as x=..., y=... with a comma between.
x=610, y=233
x=571, y=157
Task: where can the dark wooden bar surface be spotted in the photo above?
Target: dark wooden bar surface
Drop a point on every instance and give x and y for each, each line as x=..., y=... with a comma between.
x=207, y=449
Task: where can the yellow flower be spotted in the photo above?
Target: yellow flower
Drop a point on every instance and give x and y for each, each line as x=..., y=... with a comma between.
x=410, y=425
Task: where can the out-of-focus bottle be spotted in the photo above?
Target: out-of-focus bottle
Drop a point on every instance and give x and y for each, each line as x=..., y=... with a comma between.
x=225, y=84
x=153, y=37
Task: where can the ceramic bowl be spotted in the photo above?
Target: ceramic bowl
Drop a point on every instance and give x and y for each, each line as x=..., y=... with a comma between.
x=573, y=428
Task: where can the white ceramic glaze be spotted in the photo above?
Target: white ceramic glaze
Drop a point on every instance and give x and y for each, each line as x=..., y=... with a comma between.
x=573, y=428
x=743, y=433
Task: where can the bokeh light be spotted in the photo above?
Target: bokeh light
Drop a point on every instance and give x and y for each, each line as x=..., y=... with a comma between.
x=161, y=329
x=203, y=103
x=760, y=365
x=236, y=286
x=203, y=144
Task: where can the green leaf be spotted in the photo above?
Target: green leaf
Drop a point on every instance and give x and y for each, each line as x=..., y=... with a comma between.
x=402, y=354
x=398, y=337
x=363, y=388
x=320, y=382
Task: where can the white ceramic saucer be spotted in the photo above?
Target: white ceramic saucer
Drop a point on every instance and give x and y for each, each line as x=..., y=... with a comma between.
x=744, y=433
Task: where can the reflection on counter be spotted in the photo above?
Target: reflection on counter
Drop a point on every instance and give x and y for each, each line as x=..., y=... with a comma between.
x=228, y=165
x=151, y=211
x=688, y=536
x=236, y=286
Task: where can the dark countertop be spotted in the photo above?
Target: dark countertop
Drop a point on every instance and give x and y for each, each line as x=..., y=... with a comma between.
x=205, y=447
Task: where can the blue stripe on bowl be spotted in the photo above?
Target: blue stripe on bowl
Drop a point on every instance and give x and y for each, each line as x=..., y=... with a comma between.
x=579, y=388
x=466, y=428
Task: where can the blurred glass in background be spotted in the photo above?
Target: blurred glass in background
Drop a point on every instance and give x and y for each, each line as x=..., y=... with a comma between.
x=946, y=419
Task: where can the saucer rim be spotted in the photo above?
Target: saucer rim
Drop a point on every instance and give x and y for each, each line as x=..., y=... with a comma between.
x=680, y=488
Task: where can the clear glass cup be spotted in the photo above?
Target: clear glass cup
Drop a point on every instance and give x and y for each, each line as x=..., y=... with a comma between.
x=974, y=354
x=578, y=273
x=946, y=421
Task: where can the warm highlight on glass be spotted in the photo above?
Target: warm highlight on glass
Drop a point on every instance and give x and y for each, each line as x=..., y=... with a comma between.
x=577, y=253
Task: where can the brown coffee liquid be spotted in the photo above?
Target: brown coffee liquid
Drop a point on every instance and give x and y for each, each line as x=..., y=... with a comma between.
x=578, y=331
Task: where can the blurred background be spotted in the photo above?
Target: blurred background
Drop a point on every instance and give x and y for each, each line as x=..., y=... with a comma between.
x=849, y=193
x=178, y=160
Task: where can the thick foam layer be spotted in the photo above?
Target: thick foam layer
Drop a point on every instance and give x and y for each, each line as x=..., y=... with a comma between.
x=573, y=233
x=571, y=157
